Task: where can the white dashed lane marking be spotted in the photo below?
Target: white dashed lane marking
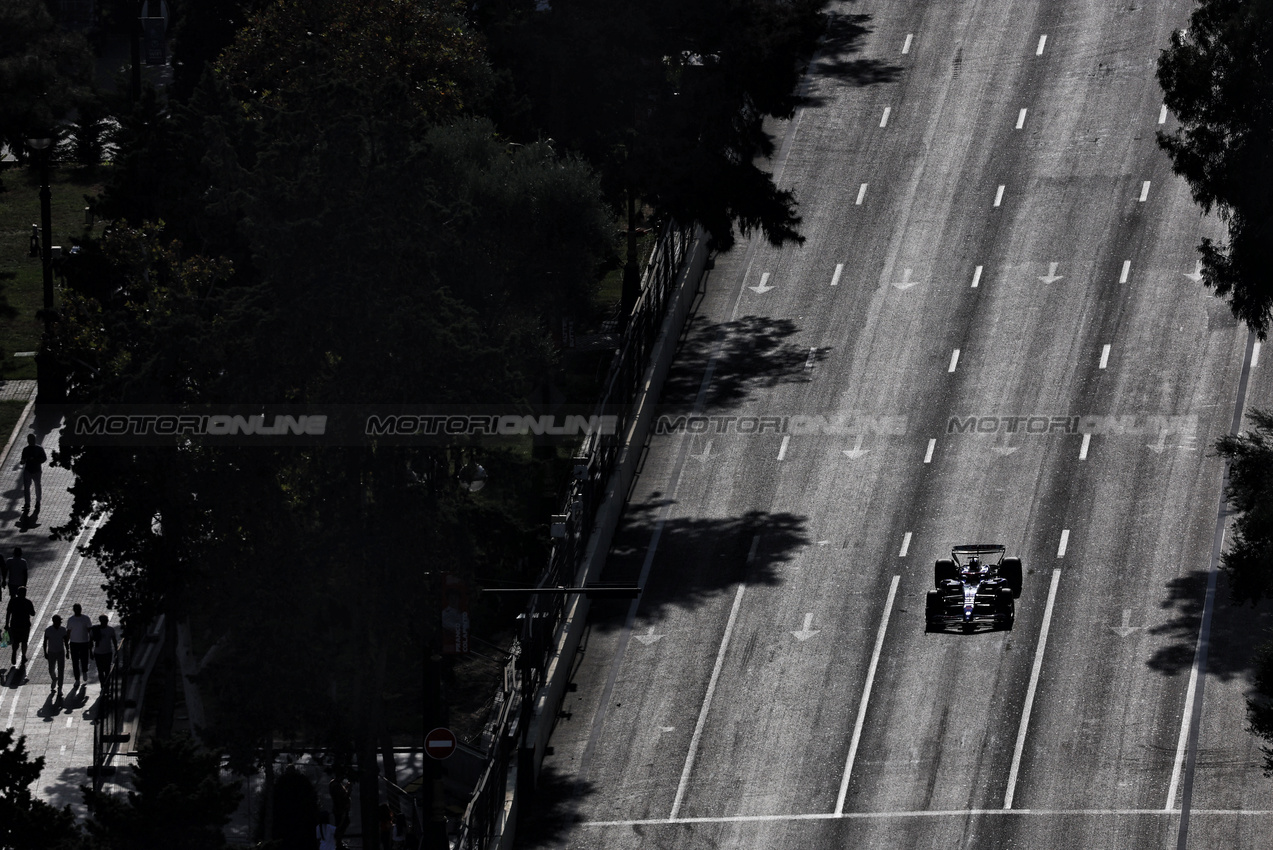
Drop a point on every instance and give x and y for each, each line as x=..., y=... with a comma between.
x=884, y=118
x=1144, y=191
x=1021, y=118
x=835, y=278
x=906, y=545
x=1127, y=269
x=906, y=45
x=1162, y=114
x=782, y=450
x=1043, y=39
x=928, y=455
x=1104, y=356
x=861, y=193
x=999, y=196
x=1087, y=440
x=1065, y=542
x=954, y=360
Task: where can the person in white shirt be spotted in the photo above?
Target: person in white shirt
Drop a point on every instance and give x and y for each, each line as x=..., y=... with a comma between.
x=80, y=644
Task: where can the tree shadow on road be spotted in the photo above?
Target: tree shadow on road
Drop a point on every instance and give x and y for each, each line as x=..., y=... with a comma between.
x=844, y=37
x=552, y=810
x=1236, y=630
x=756, y=352
x=697, y=558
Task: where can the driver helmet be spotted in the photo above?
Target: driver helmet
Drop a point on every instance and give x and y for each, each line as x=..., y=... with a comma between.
x=973, y=567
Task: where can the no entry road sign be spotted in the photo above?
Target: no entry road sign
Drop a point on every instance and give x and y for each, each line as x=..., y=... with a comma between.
x=439, y=743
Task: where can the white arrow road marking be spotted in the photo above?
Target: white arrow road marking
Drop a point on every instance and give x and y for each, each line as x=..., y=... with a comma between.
x=835, y=278
x=1087, y=440
x=857, y=451
x=1196, y=274
x=976, y=277
x=805, y=632
x=1124, y=630
x=861, y=194
x=649, y=637
x=906, y=45
x=1104, y=356
x=1127, y=269
x=1051, y=276
x=707, y=452
x=905, y=282
x=1021, y=118
x=928, y=455
x=999, y=196
x=1157, y=448
x=782, y=450
x=762, y=288
x=1043, y=39
x=1144, y=191
x=906, y=545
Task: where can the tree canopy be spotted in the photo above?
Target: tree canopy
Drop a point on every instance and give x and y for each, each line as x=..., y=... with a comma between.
x=1216, y=80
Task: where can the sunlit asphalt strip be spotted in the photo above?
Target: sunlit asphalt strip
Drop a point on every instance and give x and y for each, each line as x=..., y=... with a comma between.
x=1029, y=694
x=866, y=696
x=1198, y=676
x=82, y=539
x=945, y=813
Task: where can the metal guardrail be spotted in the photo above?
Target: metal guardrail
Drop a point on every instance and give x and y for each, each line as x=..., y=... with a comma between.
x=595, y=462
x=108, y=722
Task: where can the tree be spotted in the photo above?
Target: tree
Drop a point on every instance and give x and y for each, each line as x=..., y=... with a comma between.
x=667, y=99
x=1216, y=81
x=43, y=72
x=26, y=821
x=1249, y=560
x=180, y=802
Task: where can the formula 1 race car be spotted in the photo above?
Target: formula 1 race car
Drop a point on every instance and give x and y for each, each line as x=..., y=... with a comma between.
x=975, y=586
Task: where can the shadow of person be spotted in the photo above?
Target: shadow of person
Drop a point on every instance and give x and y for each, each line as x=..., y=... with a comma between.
x=50, y=708
x=76, y=697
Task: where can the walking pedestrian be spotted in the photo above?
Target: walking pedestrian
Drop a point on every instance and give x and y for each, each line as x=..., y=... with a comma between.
x=338, y=788
x=55, y=653
x=326, y=832
x=79, y=642
x=104, y=646
x=33, y=458
x=17, y=619
x=15, y=571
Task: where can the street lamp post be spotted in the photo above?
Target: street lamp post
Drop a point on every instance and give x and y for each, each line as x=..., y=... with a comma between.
x=49, y=386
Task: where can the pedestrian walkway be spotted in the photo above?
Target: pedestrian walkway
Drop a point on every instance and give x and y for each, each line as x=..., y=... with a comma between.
x=59, y=730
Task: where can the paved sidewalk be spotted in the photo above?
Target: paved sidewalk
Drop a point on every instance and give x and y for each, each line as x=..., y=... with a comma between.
x=60, y=730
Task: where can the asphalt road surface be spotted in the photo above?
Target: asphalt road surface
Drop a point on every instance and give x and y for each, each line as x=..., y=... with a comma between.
x=993, y=333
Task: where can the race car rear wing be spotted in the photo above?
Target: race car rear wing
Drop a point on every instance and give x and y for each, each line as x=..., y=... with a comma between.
x=971, y=549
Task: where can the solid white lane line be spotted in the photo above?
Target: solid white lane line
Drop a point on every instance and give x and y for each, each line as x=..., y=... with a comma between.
x=835, y=278
x=884, y=119
x=866, y=696
x=906, y=545
x=1087, y=440
x=1162, y=114
x=999, y=196
x=976, y=277
x=782, y=450
x=1144, y=191
x=1065, y=543
x=1021, y=118
x=861, y=194
x=1043, y=39
x=906, y=45
x=1104, y=356
x=1029, y=693
x=926, y=813
x=954, y=360
x=1127, y=269
x=928, y=455
x=707, y=700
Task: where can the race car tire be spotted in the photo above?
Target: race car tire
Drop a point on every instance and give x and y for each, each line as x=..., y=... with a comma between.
x=1007, y=605
x=932, y=609
x=1011, y=572
x=944, y=570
